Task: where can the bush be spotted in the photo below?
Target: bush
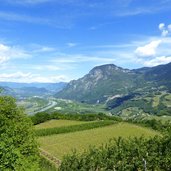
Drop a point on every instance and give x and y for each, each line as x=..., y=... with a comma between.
x=18, y=148
x=123, y=154
x=43, y=116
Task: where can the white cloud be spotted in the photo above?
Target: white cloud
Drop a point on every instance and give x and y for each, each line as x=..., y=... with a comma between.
x=157, y=61
x=165, y=30
x=17, y=75
x=52, y=79
x=80, y=58
x=10, y=52
x=40, y=48
x=3, y=59
x=161, y=26
x=29, y=78
x=24, y=18
x=165, y=33
x=47, y=67
x=169, y=27
x=149, y=49
x=24, y=2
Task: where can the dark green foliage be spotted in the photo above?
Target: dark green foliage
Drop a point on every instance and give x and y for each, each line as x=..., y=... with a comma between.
x=118, y=101
x=18, y=148
x=46, y=165
x=123, y=155
x=157, y=125
x=73, y=128
x=43, y=116
x=40, y=117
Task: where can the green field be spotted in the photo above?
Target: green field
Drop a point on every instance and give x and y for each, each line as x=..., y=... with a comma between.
x=58, y=123
x=68, y=107
x=59, y=145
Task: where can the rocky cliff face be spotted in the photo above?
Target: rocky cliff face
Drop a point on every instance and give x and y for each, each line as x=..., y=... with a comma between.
x=100, y=83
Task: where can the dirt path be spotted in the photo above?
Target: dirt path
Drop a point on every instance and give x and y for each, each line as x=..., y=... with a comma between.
x=49, y=157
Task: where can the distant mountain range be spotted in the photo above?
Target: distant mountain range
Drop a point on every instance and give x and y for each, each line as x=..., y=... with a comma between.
x=30, y=89
x=105, y=82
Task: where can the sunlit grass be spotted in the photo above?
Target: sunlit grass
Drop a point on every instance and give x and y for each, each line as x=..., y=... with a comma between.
x=59, y=145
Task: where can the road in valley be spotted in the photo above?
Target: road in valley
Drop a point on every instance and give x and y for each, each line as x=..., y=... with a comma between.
x=48, y=106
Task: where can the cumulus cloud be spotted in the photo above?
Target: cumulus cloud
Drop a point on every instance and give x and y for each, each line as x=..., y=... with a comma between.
x=149, y=49
x=157, y=51
x=161, y=26
x=157, y=61
x=165, y=30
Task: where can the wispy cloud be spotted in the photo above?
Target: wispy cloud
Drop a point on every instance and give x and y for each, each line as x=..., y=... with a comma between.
x=80, y=58
x=157, y=61
x=49, y=67
x=29, y=77
x=11, y=52
x=70, y=44
x=28, y=2
x=38, y=48
x=23, y=18
x=148, y=8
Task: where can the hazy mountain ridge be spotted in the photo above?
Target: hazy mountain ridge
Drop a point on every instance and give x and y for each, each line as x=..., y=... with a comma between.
x=30, y=89
x=105, y=81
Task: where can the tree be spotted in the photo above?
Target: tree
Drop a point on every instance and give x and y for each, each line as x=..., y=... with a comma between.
x=18, y=148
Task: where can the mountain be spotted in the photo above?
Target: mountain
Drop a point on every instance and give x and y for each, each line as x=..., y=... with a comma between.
x=106, y=82
x=18, y=90
x=48, y=86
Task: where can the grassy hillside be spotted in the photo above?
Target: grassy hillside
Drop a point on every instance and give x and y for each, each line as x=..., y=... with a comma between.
x=153, y=102
x=59, y=145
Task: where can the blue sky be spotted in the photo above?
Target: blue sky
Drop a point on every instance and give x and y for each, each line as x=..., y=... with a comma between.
x=61, y=40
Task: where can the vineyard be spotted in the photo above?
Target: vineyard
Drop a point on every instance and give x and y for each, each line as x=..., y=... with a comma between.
x=62, y=143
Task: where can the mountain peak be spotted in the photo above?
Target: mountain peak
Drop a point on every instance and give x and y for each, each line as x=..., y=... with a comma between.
x=105, y=67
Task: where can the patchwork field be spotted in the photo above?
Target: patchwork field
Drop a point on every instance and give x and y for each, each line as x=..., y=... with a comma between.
x=61, y=144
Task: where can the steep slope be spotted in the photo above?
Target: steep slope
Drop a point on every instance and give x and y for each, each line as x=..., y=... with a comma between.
x=100, y=83
x=160, y=74
x=109, y=81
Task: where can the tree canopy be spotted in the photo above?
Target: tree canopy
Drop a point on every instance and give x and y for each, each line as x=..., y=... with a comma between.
x=18, y=148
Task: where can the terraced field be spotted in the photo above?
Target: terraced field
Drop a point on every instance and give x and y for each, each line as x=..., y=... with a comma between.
x=61, y=144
